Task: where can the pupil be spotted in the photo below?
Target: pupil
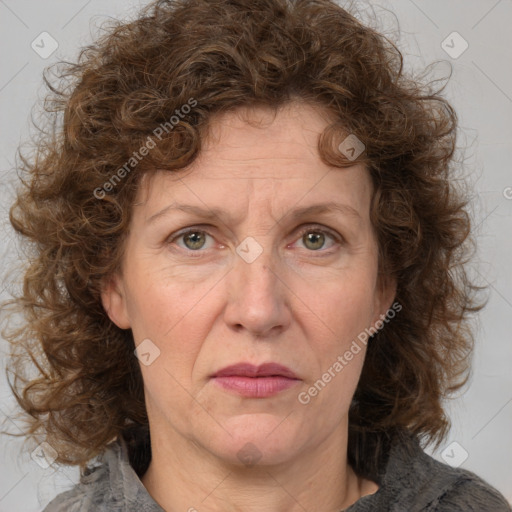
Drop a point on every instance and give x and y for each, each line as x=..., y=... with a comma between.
x=195, y=238
x=315, y=238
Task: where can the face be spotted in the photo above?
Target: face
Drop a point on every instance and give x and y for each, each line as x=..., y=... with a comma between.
x=228, y=263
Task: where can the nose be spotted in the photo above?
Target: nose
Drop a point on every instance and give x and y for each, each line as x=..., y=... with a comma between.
x=258, y=299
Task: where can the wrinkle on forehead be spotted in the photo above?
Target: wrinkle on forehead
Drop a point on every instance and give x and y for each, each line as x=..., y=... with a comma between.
x=283, y=140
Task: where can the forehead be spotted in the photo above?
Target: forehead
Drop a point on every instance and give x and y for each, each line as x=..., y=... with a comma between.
x=260, y=131
x=257, y=155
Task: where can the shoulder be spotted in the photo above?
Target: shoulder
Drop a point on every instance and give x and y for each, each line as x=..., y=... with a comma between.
x=472, y=494
x=110, y=486
x=69, y=501
x=443, y=488
x=85, y=496
x=414, y=481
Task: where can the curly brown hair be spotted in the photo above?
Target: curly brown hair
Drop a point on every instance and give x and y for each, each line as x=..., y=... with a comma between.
x=227, y=54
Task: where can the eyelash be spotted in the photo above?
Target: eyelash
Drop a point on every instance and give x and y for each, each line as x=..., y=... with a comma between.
x=308, y=229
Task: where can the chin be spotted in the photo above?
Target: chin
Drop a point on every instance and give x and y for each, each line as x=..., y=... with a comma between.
x=257, y=439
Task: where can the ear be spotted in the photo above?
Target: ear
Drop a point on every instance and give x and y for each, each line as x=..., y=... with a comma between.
x=385, y=295
x=113, y=298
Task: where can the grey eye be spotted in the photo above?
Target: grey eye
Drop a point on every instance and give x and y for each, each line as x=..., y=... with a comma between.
x=194, y=240
x=314, y=240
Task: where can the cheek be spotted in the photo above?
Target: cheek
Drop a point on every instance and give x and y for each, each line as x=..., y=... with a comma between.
x=171, y=318
x=344, y=304
x=160, y=302
x=176, y=317
x=355, y=308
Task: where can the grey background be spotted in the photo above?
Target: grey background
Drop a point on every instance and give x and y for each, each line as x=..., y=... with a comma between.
x=481, y=91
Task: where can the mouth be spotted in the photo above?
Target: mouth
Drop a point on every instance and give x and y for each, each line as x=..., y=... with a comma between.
x=252, y=381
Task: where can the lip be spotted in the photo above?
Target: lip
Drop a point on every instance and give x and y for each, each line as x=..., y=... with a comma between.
x=252, y=381
x=250, y=370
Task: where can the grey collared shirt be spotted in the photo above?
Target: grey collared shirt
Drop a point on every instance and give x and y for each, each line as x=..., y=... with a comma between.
x=412, y=482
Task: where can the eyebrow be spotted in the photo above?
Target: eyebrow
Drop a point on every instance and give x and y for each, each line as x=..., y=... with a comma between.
x=213, y=213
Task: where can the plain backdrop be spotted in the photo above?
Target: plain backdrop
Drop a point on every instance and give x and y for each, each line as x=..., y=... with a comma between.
x=473, y=36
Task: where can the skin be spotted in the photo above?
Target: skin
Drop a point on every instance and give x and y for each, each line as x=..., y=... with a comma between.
x=300, y=303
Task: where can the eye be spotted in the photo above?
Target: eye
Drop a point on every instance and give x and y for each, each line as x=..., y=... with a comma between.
x=193, y=239
x=314, y=238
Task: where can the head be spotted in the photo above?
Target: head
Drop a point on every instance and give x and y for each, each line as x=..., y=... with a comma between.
x=243, y=109
x=254, y=282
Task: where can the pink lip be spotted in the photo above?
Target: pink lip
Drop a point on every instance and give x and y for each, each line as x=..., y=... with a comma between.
x=252, y=381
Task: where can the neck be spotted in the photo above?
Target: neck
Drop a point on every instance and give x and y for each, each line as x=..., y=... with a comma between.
x=185, y=476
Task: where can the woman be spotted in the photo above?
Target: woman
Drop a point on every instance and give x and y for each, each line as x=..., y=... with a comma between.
x=248, y=286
